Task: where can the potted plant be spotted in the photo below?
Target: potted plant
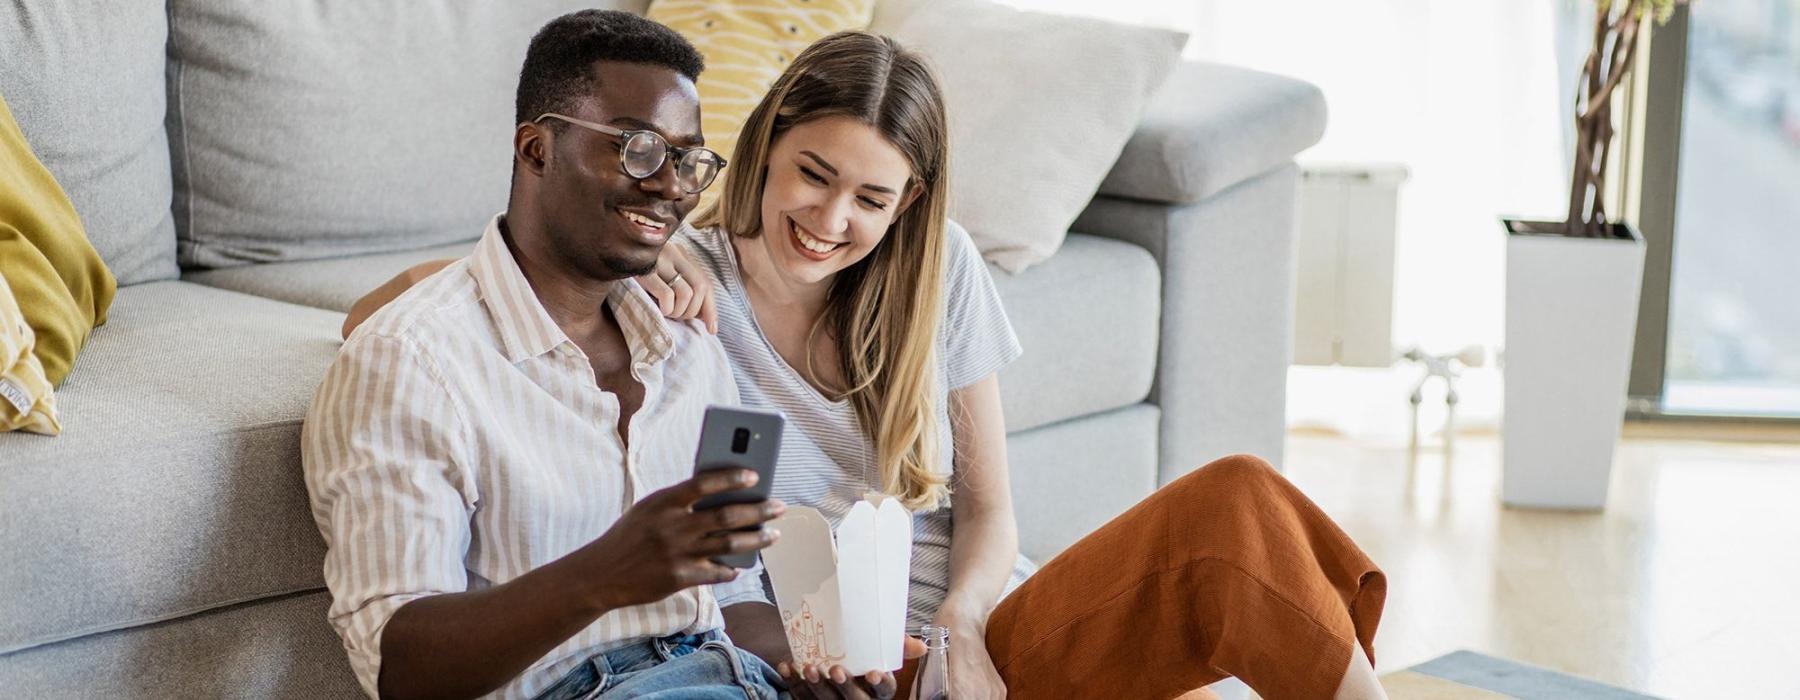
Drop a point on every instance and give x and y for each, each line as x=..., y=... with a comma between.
x=1572, y=301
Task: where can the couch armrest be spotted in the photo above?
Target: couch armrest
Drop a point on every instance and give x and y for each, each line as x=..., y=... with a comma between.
x=1212, y=126
x=1227, y=314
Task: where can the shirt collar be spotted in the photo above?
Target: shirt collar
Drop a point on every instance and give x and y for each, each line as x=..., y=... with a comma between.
x=526, y=329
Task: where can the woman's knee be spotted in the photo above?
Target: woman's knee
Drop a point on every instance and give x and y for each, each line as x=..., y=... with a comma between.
x=1222, y=511
x=1235, y=469
x=1238, y=483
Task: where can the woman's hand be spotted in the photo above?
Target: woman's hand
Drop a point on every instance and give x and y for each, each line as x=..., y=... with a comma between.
x=972, y=672
x=808, y=682
x=681, y=288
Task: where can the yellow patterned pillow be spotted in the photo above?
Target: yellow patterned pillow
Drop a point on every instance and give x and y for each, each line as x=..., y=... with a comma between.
x=747, y=43
x=26, y=400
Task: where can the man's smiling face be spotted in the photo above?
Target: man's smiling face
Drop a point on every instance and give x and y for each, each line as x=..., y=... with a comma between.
x=603, y=221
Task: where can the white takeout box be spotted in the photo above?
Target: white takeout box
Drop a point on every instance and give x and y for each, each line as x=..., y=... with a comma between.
x=843, y=599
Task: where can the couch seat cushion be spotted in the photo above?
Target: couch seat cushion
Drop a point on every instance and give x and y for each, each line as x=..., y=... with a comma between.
x=279, y=649
x=175, y=486
x=1087, y=318
x=333, y=283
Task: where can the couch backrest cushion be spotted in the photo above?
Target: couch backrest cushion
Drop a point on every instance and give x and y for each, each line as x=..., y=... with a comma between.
x=312, y=130
x=85, y=82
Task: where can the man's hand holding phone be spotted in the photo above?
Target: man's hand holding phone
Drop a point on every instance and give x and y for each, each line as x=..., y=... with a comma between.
x=734, y=438
x=662, y=545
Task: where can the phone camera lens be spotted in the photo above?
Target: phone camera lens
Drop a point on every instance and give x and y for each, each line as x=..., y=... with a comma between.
x=740, y=441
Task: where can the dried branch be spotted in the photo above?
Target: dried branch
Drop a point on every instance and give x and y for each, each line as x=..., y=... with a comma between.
x=1624, y=49
x=1617, y=26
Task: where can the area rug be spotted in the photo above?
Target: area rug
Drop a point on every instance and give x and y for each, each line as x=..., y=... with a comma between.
x=1466, y=675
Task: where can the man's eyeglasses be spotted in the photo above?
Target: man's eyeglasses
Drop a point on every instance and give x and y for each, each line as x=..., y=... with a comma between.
x=642, y=153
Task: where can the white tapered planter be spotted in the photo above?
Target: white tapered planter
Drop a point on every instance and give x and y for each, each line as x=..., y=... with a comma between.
x=1571, y=318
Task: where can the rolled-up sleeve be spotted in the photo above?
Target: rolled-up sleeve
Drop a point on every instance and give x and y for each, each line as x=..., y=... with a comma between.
x=389, y=490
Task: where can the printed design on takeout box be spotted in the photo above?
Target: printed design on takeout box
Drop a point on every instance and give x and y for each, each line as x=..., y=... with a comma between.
x=843, y=595
x=806, y=634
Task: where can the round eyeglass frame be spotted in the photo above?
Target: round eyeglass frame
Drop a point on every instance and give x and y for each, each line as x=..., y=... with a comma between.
x=655, y=145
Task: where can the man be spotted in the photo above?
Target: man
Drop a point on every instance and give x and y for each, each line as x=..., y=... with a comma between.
x=484, y=455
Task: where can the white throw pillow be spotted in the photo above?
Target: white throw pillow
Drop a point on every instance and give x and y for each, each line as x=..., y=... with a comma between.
x=1040, y=107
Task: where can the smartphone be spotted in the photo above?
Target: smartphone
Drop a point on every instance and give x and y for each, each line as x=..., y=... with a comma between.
x=739, y=438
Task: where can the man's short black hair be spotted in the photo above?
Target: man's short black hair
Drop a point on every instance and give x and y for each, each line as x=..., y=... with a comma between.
x=559, y=63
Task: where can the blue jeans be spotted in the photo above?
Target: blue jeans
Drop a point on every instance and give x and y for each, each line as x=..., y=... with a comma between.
x=700, y=666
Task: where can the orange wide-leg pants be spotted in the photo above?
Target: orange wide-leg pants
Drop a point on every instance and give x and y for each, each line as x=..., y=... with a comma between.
x=1227, y=571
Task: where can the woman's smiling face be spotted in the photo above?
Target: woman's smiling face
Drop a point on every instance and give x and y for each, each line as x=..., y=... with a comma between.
x=833, y=189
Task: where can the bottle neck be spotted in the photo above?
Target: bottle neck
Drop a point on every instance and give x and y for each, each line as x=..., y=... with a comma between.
x=935, y=637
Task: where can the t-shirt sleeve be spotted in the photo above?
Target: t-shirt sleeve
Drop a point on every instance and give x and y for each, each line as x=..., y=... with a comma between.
x=976, y=338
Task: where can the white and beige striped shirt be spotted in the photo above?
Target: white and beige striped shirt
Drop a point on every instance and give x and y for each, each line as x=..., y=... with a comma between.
x=459, y=440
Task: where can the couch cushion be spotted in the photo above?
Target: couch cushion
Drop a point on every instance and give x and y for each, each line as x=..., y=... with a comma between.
x=85, y=81
x=175, y=486
x=305, y=130
x=1211, y=127
x=333, y=283
x=1087, y=319
x=269, y=650
x=1070, y=478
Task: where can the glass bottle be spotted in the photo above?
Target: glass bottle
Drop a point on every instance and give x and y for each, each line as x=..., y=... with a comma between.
x=933, y=679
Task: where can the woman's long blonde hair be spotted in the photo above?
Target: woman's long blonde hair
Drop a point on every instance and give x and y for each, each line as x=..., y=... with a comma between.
x=884, y=311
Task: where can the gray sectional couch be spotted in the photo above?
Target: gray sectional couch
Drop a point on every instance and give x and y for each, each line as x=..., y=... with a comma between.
x=162, y=546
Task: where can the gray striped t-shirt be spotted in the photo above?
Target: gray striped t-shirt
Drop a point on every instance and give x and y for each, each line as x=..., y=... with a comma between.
x=826, y=461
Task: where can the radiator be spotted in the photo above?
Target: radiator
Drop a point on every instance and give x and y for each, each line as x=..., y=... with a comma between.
x=1344, y=306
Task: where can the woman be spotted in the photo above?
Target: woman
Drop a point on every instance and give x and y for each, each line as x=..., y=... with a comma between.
x=844, y=299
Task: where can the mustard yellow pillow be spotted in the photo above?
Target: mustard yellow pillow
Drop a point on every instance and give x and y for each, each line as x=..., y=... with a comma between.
x=56, y=276
x=26, y=401
x=747, y=44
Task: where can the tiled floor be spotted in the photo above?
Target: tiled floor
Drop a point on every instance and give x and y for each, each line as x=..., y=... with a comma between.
x=1686, y=586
